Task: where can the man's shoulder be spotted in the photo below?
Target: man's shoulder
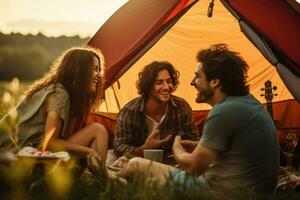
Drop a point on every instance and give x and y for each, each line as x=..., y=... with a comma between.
x=133, y=105
x=179, y=101
x=237, y=104
x=130, y=109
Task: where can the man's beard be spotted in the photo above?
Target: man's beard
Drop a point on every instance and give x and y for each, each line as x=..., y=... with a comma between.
x=157, y=98
x=204, y=95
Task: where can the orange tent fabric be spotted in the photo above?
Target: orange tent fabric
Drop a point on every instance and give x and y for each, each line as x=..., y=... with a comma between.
x=175, y=30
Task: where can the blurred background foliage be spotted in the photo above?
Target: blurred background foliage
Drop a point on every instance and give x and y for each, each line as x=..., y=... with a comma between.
x=28, y=57
x=10, y=94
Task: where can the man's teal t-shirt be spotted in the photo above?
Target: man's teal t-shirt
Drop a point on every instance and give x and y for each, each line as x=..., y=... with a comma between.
x=244, y=135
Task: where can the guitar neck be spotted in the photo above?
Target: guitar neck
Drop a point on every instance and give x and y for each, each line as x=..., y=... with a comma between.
x=270, y=109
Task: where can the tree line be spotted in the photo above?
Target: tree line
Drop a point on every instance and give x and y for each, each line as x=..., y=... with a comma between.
x=28, y=57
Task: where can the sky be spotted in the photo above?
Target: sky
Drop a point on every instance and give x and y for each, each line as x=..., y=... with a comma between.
x=56, y=17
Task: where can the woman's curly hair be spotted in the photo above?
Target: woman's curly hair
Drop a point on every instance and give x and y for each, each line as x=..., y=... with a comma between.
x=73, y=69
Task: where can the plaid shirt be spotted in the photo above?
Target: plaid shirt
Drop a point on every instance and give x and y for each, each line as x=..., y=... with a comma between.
x=131, y=128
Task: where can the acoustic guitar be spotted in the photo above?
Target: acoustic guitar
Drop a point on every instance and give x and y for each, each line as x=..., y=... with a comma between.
x=268, y=94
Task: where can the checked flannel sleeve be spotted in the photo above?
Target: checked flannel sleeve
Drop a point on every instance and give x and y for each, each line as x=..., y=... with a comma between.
x=124, y=133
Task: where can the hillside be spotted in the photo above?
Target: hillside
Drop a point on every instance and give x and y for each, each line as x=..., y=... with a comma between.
x=28, y=57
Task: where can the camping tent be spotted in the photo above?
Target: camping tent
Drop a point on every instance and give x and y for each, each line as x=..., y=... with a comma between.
x=142, y=31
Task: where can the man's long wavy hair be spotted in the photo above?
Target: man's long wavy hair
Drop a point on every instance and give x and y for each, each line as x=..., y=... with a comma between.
x=73, y=69
x=150, y=72
x=228, y=66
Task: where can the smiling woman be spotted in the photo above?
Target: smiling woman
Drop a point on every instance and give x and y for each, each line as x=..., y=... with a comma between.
x=58, y=102
x=30, y=16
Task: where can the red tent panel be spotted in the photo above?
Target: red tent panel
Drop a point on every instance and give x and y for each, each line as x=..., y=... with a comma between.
x=278, y=23
x=145, y=21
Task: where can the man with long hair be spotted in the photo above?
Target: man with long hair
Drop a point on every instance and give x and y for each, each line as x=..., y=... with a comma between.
x=151, y=120
x=56, y=106
x=238, y=149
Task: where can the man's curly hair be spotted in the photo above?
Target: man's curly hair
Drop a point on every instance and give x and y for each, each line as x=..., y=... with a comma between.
x=150, y=72
x=228, y=66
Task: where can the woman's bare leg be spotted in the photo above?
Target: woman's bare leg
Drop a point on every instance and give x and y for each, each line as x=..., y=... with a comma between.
x=95, y=136
x=100, y=148
x=152, y=169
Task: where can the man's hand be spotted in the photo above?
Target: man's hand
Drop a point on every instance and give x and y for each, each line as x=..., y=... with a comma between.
x=152, y=142
x=177, y=147
x=195, y=162
x=189, y=145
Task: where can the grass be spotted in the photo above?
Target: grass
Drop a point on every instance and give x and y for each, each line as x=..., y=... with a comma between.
x=10, y=94
x=26, y=179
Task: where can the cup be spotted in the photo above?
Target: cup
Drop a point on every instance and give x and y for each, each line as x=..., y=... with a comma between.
x=154, y=154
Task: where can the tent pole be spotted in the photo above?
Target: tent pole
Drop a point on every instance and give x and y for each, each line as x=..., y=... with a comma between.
x=116, y=98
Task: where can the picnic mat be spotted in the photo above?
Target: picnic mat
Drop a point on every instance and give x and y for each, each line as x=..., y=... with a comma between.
x=115, y=166
x=289, y=178
x=30, y=152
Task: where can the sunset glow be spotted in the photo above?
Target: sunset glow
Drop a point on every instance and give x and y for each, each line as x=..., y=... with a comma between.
x=56, y=17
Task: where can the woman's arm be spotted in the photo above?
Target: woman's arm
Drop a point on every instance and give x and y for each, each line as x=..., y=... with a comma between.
x=51, y=137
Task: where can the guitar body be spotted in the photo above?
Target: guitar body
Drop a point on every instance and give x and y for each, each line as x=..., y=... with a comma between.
x=281, y=134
